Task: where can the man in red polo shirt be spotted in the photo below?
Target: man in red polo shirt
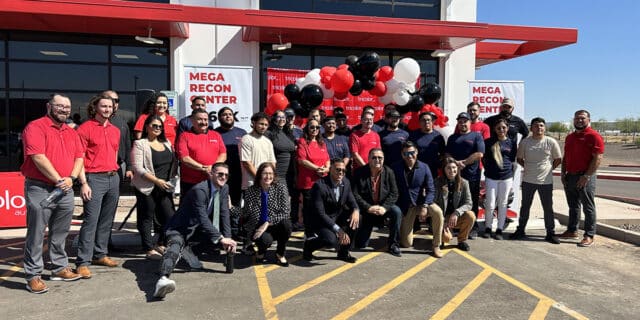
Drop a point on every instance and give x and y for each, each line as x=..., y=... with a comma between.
x=198, y=150
x=52, y=159
x=363, y=140
x=100, y=182
x=583, y=150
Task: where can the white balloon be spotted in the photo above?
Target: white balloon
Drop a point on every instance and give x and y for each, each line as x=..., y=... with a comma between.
x=406, y=70
x=312, y=78
x=393, y=85
x=412, y=87
x=316, y=71
x=401, y=97
x=300, y=83
x=445, y=132
x=386, y=99
x=327, y=93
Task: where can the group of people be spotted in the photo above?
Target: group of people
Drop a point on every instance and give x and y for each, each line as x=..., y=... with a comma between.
x=335, y=183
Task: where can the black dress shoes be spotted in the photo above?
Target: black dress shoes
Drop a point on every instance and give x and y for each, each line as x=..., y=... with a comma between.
x=348, y=258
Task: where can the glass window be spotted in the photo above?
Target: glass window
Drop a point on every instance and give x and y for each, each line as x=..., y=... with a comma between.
x=336, y=57
x=417, y=9
x=49, y=51
x=2, y=74
x=287, y=5
x=139, y=55
x=127, y=78
x=358, y=8
x=62, y=77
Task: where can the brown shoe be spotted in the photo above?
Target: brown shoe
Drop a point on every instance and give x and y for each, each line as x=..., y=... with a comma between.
x=84, y=272
x=105, y=261
x=569, y=235
x=36, y=285
x=436, y=252
x=65, y=274
x=586, y=242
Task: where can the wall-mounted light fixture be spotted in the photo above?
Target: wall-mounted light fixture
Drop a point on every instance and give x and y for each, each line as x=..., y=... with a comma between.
x=280, y=46
x=441, y=53
x=149, y=39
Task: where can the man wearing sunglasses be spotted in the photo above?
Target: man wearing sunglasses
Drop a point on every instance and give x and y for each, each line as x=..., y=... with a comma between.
x=335, y=215
x=416, y=196
x=376, y=192
x=201, y=219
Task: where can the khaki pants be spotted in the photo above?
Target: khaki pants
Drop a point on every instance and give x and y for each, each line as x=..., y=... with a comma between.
x=406, y=227
x=464, y=225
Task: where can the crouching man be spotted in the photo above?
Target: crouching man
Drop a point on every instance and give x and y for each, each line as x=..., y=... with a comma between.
x=203, y=217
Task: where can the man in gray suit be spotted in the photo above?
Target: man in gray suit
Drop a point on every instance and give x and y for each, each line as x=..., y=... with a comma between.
x=203, y=217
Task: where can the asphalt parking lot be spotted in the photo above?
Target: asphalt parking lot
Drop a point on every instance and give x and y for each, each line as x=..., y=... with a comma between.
x=529, y=279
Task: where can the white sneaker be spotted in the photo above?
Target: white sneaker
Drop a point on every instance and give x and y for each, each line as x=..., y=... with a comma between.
x=164, y=286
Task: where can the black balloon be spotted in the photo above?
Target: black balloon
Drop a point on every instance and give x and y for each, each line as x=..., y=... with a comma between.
x=368, y=63
x=351, y=60
x=311, y=96
x=368, y=84
x=415, y=103
x=297, y=108
x=403, y=109
x=356, y=88
x=430, y=92
x=292, y=92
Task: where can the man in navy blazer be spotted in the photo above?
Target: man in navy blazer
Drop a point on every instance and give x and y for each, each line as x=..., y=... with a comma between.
x=193, y=223
x=375, y=190
x=335, y=215
x=415, y=186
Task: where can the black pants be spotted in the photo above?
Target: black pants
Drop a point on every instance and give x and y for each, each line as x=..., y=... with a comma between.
x=474, y=188
x=280, y=232
x=326, y=238
x=180, y=247
x=307, y=203
x=153, y=211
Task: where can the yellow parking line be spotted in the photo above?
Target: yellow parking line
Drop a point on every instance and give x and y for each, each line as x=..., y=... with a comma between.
x=291, y=293
x=268, y=306
x=522, y=286
x=10, y=272
x=364, y=302
x=459, y=298
x=541, y=310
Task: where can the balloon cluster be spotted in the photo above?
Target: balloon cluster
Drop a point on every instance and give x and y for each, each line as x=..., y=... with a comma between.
x=391, y=85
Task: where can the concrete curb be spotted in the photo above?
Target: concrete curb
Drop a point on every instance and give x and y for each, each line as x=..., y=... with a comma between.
x=624, y=166
x=633, y=201
x=606, y=230
x=610, y=176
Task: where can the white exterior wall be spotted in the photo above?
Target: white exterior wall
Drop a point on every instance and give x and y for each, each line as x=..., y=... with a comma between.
x=460, y=66
x=214, y=45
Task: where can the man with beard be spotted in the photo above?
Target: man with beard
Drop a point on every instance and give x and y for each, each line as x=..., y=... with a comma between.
x=125, y=137
x=583, y=151
x=473, y=109
x=198, y=149
x=255, y=149
x=429, y=142
x=382, y=123
x=392, y=137
x=337, y=145
x=100, y=188
x=231, y=135
x=186, y=123
x=516, y=125
x=467, y=148
x=363, y=140
x=53, y=157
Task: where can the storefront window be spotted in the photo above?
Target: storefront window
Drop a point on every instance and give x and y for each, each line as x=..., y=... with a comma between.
x=416, y=9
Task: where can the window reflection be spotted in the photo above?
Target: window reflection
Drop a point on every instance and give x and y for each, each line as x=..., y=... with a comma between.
x=33, y=75
x=418, y=9
x=139, y=55
x=49, y=51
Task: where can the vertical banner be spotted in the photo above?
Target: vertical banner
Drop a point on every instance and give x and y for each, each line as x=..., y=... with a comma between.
x=221, y=86
x=278, y=78
x=13, y=206
x=489, y=94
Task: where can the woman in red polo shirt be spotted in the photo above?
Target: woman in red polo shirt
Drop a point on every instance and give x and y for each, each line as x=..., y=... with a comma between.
x=313, y=161
x=158, y=105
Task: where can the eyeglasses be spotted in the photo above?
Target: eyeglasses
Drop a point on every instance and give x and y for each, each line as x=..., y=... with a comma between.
x=377, y=158
x=409, y=153
x=61, y=106
x=222, y=175
x=280, y=118
x=340, y=170
x=157, y=126
x=314, y=127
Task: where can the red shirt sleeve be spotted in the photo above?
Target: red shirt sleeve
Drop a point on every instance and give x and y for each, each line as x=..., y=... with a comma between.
x=182, y=148
x=140, y=122
x=34, y=140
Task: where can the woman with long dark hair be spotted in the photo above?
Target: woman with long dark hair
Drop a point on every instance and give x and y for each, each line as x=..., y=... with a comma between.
x=154, y=168
x=313, y=161
x=158, y=105
x=266, y=210
x=498, y=160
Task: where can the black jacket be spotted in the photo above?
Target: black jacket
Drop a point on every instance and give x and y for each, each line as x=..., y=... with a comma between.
x=363, y=188
x=326, y=208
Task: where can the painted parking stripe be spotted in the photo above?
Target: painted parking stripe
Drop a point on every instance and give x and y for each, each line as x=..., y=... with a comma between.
x=459, y=298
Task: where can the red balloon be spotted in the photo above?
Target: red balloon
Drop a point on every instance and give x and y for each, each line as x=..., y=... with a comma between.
x=342, y=80
x=340, y=95
x=380, y=89
x=327, y=71
x=385, y=74
x=343, y=66
x=276, y=102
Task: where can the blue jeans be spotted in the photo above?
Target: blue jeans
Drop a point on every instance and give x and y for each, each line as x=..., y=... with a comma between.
x=577, y=198
x=394, y=214
x=545, y=191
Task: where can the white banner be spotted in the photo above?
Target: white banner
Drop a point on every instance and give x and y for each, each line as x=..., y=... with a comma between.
x=489, y=94
x=221, y=86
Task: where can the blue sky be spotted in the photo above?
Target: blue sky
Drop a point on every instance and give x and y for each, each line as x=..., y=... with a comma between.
x=599, y=73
